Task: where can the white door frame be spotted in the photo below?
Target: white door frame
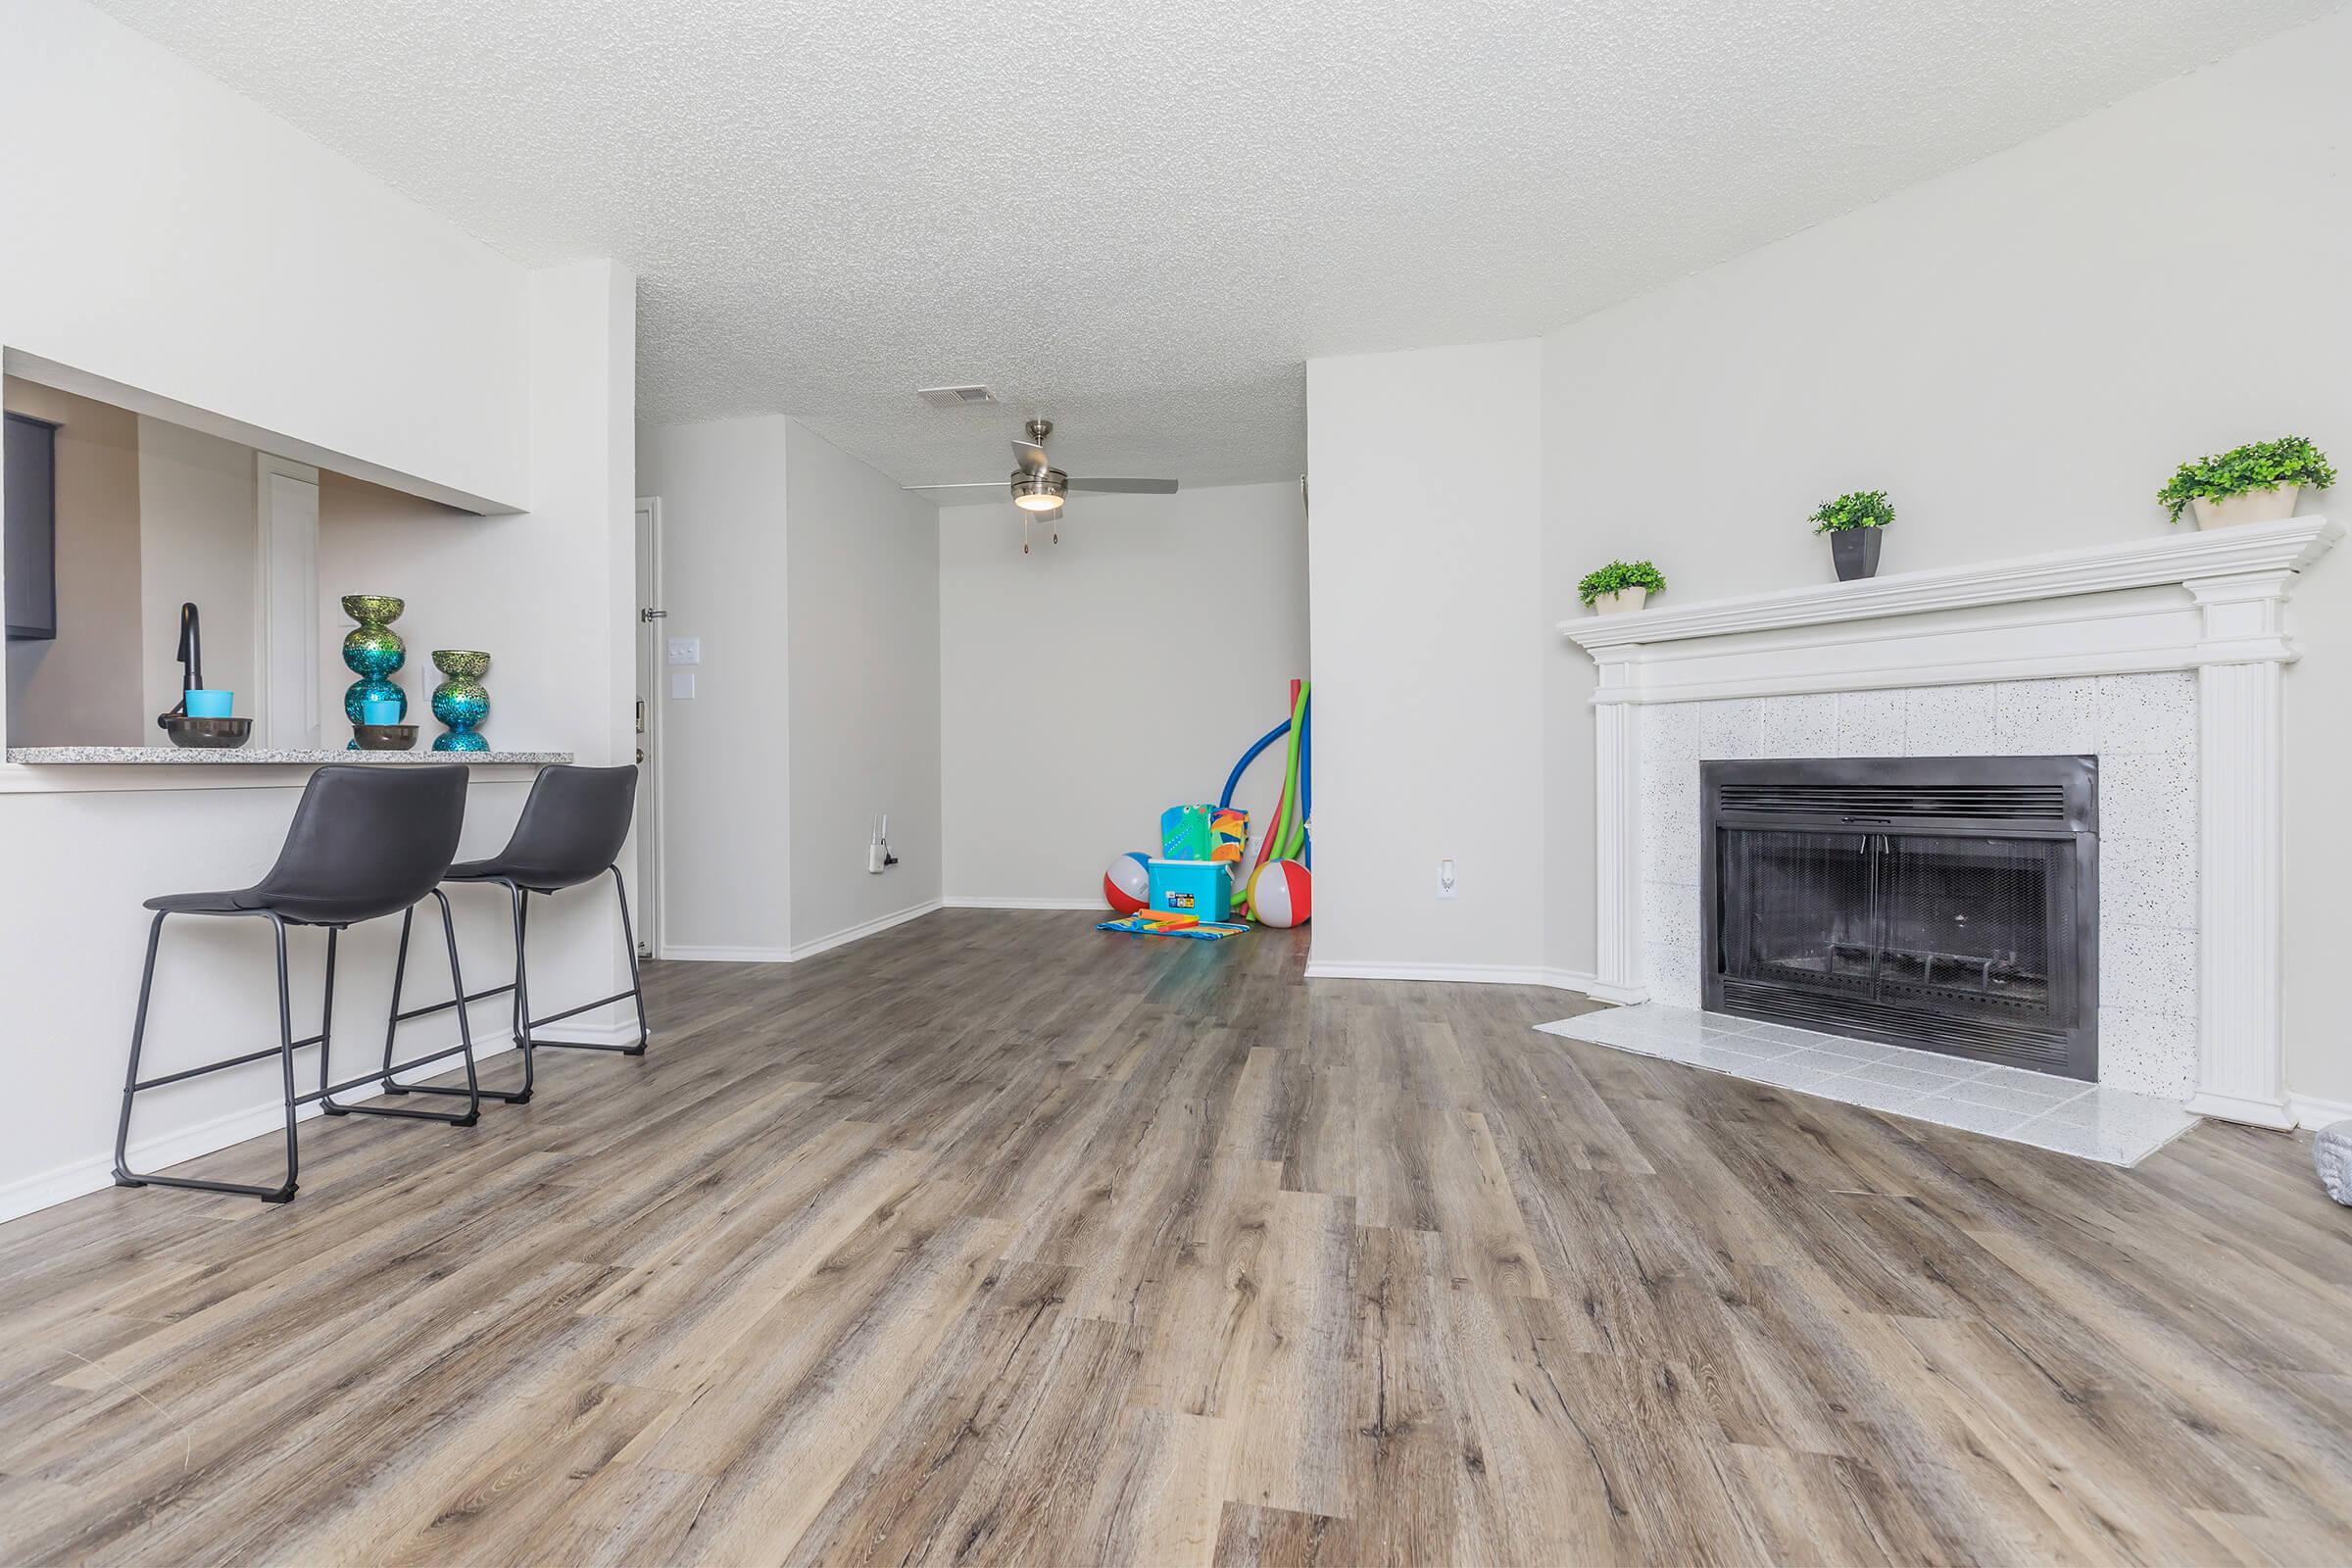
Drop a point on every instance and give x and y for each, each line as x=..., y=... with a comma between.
x=287, y=644
x=651, y=878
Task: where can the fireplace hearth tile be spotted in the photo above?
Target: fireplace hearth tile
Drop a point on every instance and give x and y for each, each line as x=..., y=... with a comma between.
x=2155, y=712
x=1786, y=1073
x=1798, y=726
x=1922, y=1079
x=2045, y=717
x=2048, y=1088
x=1947, y=720
x=1729, y=730
x=1869, y=725
x=2156, y=966
x=1997, y=1097
x=1874, y=1096
x=1967, y=1116
x=2090, y=1122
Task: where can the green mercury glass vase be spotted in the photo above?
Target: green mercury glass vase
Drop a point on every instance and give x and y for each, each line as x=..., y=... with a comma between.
x=372, y=651
x=460, y=701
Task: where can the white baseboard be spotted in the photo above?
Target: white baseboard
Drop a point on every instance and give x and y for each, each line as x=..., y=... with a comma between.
x=976, y=901
x=2270, y=1114
x=803, y=949
x=2308, y=1110
x=166, y=1149
x=691, y=955
x=880, y=923
x=1477, y=974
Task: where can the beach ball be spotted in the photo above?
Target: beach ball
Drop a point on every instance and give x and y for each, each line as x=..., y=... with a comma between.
x=1127, y=882
x=1281, y=894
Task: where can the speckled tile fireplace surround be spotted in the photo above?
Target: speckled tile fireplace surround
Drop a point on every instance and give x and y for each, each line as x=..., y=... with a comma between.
x=2143, y=730
x=2162, y=656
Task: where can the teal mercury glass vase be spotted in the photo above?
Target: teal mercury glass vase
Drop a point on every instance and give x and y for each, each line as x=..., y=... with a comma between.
x=460, y=701
x=372, y=651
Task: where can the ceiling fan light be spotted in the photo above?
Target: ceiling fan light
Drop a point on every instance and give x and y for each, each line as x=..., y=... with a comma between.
x=1040, y=492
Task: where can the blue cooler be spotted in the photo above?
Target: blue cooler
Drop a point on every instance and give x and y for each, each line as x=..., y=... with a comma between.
x=1202, y=888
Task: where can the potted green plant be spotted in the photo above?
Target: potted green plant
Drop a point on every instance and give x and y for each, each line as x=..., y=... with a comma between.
x=1621, y=586
x=1852, y=522
x=2256, y=483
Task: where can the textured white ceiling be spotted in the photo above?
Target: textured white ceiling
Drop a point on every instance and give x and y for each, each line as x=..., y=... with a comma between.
x=1140, y=216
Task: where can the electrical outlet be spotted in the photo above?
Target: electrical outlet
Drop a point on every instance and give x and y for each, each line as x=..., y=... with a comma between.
x=1447, y=885
x=876, y=854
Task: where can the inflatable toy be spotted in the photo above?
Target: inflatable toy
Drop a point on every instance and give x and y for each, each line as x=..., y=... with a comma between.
x=1127, y=882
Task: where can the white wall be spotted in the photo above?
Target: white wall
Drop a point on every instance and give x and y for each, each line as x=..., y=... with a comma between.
x=200, y=543
x=862, y=591
x=174, y=238
x=159, y=199
x=726, y=761
x=1090, y=685
x=2019, y=353
x=1429, y=636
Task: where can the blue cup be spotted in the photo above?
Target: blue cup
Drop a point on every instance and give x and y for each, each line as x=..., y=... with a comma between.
x=380, y=710
x=204, y=703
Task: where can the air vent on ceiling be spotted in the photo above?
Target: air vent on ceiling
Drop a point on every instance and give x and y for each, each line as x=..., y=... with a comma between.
x=955, y=397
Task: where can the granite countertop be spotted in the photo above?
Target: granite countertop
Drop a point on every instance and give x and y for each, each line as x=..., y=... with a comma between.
x=251, y=755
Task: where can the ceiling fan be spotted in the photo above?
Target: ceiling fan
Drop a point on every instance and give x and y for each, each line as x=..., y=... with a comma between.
x=1038, y=488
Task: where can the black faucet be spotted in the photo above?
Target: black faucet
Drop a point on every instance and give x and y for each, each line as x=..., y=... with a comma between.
x=191, y=666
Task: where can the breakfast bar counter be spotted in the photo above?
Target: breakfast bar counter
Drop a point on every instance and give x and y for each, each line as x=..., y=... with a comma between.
x=135, y=756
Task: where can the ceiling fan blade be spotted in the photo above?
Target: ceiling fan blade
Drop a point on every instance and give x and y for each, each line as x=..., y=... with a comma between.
x=974, y=484
x=1030, y=456
x=1127, y=487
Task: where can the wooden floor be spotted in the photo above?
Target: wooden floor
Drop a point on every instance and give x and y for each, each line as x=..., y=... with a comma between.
x=993, y=1240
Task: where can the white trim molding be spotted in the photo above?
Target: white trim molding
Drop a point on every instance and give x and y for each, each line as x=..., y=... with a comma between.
x=800, y=949
x=2313, y=1113
x=1476, y=974
x=983, y=901
x=2213, y=602
x=163, y=1151
x=672, y=952
x=867, y=928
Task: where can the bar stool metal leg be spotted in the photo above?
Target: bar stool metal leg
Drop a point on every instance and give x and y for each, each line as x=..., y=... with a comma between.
x=124, y=1176
x=636, y=991
x=475, y=1094
x=326, y=1101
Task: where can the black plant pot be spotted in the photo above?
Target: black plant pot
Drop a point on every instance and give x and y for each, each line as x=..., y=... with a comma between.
x=1856, y=553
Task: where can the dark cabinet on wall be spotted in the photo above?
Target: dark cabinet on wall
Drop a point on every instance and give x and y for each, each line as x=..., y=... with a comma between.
x=28, y=528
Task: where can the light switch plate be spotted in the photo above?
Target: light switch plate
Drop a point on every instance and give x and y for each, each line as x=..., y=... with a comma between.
x=1449, y=884
x=685, y=650
x=681, y=685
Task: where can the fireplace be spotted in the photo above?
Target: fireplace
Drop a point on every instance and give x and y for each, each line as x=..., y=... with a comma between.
x=1946, y=904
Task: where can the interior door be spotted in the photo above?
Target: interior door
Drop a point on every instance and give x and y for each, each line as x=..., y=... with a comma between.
x=646, y=891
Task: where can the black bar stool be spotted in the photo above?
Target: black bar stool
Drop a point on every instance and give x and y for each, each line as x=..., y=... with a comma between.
x=366, y=842
x=571, y=832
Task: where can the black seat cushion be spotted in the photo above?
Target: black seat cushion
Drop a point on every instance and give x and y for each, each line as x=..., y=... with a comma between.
x=571, y=831
x=365, y=841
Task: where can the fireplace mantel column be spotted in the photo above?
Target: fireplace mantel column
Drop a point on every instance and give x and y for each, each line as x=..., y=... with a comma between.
x=2242, y=661
x=1617, y=753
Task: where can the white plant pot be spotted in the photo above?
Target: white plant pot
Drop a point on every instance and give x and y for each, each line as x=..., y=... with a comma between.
x=1623, y=599
x=2255, y=506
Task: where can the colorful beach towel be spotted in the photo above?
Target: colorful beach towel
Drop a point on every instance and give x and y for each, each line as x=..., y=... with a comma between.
x=1157, y=924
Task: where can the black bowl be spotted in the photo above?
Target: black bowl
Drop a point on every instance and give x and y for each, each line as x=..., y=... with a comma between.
x=384, y=737
x=208, y=734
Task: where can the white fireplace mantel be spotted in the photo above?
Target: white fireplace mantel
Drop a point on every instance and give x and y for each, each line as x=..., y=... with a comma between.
x=2212, y=602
